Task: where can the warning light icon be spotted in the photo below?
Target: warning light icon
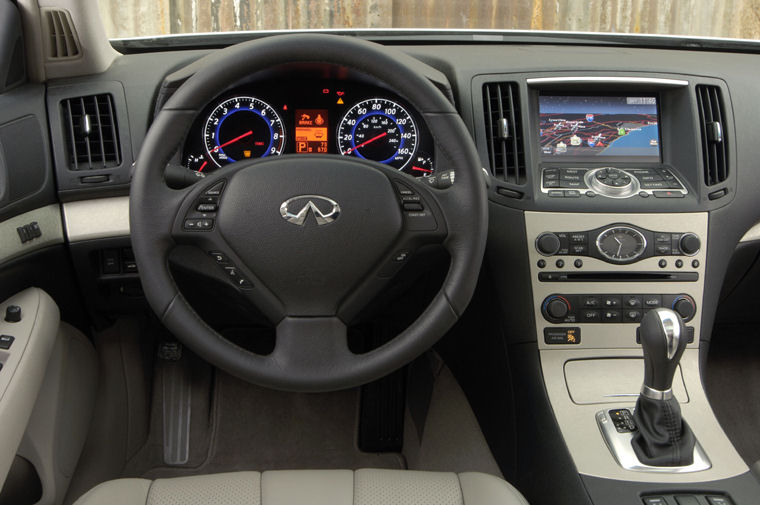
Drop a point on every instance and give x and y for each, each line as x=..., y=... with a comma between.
x=247, y=153
x=340, y=101
x=319, y=121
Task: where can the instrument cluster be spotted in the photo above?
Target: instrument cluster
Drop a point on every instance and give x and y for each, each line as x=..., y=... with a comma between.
x=272, y=118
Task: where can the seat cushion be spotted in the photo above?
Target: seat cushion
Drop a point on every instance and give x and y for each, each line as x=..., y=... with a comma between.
x=310, y=487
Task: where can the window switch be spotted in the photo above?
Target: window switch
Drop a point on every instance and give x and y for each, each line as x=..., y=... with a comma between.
x=6, y=341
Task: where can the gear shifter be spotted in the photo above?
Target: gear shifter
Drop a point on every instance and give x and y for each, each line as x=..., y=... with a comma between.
x=663, y=437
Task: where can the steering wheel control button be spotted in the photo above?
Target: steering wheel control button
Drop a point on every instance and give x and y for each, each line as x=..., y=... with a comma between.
x=6, y=341
x=215, y=190
x=13, y=314
x=203, y=224
x=393, y=265
x=554, y=336
x=206, y=207
x=219, y=257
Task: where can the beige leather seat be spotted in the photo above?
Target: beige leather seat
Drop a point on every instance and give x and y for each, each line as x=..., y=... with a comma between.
x=310, y=487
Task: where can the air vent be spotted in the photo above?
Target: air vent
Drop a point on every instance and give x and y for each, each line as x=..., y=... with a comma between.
x=93, y=138
x=62, y=39
x=713, y=129
x=506, y=152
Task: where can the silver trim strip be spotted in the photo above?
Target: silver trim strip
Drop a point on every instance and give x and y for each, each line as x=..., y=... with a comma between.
x=621, y=448
x=93, y=219
x=673, y=83
x=656, y=394
x=752, y=234
x=672, y=329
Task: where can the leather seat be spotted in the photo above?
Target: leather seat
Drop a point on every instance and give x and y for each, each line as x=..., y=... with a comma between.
x=310, y=487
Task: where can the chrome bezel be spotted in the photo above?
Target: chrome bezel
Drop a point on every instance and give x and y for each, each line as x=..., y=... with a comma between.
x=619, y=260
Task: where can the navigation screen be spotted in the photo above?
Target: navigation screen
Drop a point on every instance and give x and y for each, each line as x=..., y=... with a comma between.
x=590, y=126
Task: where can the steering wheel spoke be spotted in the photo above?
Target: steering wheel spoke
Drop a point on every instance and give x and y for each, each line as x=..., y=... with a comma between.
x=310, y=343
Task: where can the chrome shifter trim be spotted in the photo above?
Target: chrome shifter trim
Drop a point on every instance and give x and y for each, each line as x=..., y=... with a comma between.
x=672, y=330
x=656, y=394
x=622, y=450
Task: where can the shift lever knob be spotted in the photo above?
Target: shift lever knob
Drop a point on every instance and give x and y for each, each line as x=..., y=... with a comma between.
x=663, y=338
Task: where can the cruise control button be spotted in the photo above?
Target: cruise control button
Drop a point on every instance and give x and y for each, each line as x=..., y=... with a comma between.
x=216, y=189
x=411, y=206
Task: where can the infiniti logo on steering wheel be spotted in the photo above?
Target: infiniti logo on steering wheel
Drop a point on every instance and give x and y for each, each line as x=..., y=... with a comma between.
x=295, y=210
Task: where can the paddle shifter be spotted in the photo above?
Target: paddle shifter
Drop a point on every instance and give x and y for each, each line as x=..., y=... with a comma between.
x=663, y=438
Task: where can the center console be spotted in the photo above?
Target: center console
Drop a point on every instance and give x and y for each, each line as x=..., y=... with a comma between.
x=618, y=228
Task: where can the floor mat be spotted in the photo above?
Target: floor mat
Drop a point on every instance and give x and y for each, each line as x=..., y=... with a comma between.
x=259, y=429
x=732, y=380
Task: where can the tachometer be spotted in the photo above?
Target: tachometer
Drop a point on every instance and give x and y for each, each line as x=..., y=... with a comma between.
x=380, y=130
x=243, y=127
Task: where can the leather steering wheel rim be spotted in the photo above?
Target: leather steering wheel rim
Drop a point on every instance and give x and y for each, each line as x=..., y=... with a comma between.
x=315, y=359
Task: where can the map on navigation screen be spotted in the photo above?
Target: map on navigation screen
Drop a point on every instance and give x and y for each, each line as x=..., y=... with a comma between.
x=588, y=126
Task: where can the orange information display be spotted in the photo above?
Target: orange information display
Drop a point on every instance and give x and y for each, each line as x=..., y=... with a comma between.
x=311, y=131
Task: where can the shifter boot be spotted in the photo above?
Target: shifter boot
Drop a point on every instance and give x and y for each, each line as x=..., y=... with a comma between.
x=663, y=437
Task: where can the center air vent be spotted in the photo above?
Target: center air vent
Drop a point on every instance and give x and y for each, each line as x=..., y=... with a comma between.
x=62, y=38
x=93, y=138
x=506, y=152
x=712, y=127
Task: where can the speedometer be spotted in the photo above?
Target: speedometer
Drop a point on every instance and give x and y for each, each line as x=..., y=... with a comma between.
x=243, y=127
x=380, y=130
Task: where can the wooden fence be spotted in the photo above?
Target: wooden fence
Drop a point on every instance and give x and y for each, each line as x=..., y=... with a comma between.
x=715, y=18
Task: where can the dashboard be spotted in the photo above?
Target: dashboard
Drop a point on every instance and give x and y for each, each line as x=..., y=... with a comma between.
x=620, y=178
x=298, y=115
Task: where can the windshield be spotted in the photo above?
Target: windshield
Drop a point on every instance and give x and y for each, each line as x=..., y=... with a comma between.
x=705, y=18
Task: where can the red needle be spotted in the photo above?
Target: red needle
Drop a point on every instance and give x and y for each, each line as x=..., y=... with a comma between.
x=366, y=142
x=422, y=169
x=249, y=132
x=203, y=166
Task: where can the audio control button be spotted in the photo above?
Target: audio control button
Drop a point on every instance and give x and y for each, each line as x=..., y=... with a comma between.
x=548, y=244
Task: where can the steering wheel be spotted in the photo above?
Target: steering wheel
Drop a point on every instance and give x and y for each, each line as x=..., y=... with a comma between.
x=309, y=239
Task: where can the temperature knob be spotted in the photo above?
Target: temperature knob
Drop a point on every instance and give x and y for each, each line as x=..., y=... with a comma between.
x=685, y=306
x=548, y=244
x=556, y=308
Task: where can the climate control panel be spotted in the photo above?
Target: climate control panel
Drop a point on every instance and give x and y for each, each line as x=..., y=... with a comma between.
x=618, y=243
x=614, y=308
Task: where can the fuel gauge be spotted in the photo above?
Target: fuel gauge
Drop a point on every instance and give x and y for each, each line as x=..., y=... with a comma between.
x=198, y=163
x=421, y=165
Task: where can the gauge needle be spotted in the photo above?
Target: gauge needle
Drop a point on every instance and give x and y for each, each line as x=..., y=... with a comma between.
x=419, y=169
x=203, y=166
x=620, y=247
x=249, y=132
x=349, y=150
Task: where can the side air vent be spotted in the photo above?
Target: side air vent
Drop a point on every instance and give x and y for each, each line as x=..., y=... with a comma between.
x=93, y=137
x=62, y=39
x=506, y=152
x=712, y=127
